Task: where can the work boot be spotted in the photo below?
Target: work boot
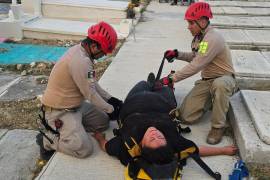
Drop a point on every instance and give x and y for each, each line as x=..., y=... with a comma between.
x=215, y=135
x=151, y=79
x=44, y=153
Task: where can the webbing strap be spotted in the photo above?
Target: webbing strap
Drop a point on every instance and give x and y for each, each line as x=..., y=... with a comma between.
x=45, y=124
x=201, y=163
x=160, y=69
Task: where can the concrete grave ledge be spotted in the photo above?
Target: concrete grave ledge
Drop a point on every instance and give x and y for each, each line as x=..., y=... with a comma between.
x=248, y=39
x=46, y=28
x=240, y=11
x=252, y=69
x=258, y=106
x=239, y=4
x=85, y=10
x=18, y=154
x=252, y=149
x=121, y=5
x=230, y=22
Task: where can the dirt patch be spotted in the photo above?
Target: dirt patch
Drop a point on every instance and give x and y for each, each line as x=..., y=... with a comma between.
x=60, y=43
x=260, y=172
x=19, y=114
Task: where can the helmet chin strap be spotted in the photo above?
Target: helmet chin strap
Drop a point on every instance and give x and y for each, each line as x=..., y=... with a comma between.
x=202, y=29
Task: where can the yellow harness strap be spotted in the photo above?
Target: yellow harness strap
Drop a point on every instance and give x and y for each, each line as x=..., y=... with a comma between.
x=184, y=154
x=133, y=148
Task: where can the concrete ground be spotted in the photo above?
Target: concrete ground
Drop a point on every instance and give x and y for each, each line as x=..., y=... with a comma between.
x=162, y=27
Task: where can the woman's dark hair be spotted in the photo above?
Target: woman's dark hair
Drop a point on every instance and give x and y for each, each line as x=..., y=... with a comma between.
x=160, y=155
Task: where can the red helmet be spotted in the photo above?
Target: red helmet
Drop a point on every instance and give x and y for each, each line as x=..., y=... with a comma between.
x=197, y=10
x=105, y=35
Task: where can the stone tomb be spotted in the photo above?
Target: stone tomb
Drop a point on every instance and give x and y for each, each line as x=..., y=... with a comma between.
x=236, y=22
x=257, y=104
x=252, y=69
x=248, y=108
x=246, y=39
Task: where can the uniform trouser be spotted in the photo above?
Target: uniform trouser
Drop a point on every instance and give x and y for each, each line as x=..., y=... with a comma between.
x=213, y=93
x=73, y=139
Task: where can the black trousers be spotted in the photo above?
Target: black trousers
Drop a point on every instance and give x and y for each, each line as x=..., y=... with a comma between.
x=141, y=99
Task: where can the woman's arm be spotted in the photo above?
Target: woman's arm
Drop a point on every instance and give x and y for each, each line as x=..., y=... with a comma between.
x=213, y=151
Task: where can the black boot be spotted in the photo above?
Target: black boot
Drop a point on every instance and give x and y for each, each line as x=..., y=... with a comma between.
x=44, y=154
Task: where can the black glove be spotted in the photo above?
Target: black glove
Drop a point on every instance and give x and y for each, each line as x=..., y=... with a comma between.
x=170, y=55
x=117, y=105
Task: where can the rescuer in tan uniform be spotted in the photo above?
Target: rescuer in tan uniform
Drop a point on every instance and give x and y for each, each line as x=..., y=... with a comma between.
x=73, y=102
x=210, y=55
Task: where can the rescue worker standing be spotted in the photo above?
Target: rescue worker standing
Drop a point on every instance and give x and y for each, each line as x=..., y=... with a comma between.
x=210, y=55
x=73, y=102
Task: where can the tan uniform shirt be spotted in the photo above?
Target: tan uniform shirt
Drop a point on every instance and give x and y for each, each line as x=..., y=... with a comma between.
x=72, y=81
x=213, y=58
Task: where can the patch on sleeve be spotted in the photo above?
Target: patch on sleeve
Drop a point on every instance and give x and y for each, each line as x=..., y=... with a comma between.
x=91, y=75
x=203, y=47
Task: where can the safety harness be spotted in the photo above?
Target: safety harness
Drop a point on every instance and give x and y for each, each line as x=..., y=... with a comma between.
x=139, y=168
x=44, y=126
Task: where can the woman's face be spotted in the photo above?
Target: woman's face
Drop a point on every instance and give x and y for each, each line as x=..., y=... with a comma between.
x=153, y=138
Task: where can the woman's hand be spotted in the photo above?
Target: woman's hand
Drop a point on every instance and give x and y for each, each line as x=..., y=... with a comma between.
x=100, y=137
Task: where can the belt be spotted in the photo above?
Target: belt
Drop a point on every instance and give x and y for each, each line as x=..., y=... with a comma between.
x=50, y=109
x=206, y=79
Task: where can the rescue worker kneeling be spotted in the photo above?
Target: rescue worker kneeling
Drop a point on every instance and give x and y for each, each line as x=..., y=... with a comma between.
x=148, y=142
x=74, y=104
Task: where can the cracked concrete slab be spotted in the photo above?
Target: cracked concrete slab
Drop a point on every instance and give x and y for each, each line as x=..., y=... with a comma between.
x=252, y=149
x=257, y=103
